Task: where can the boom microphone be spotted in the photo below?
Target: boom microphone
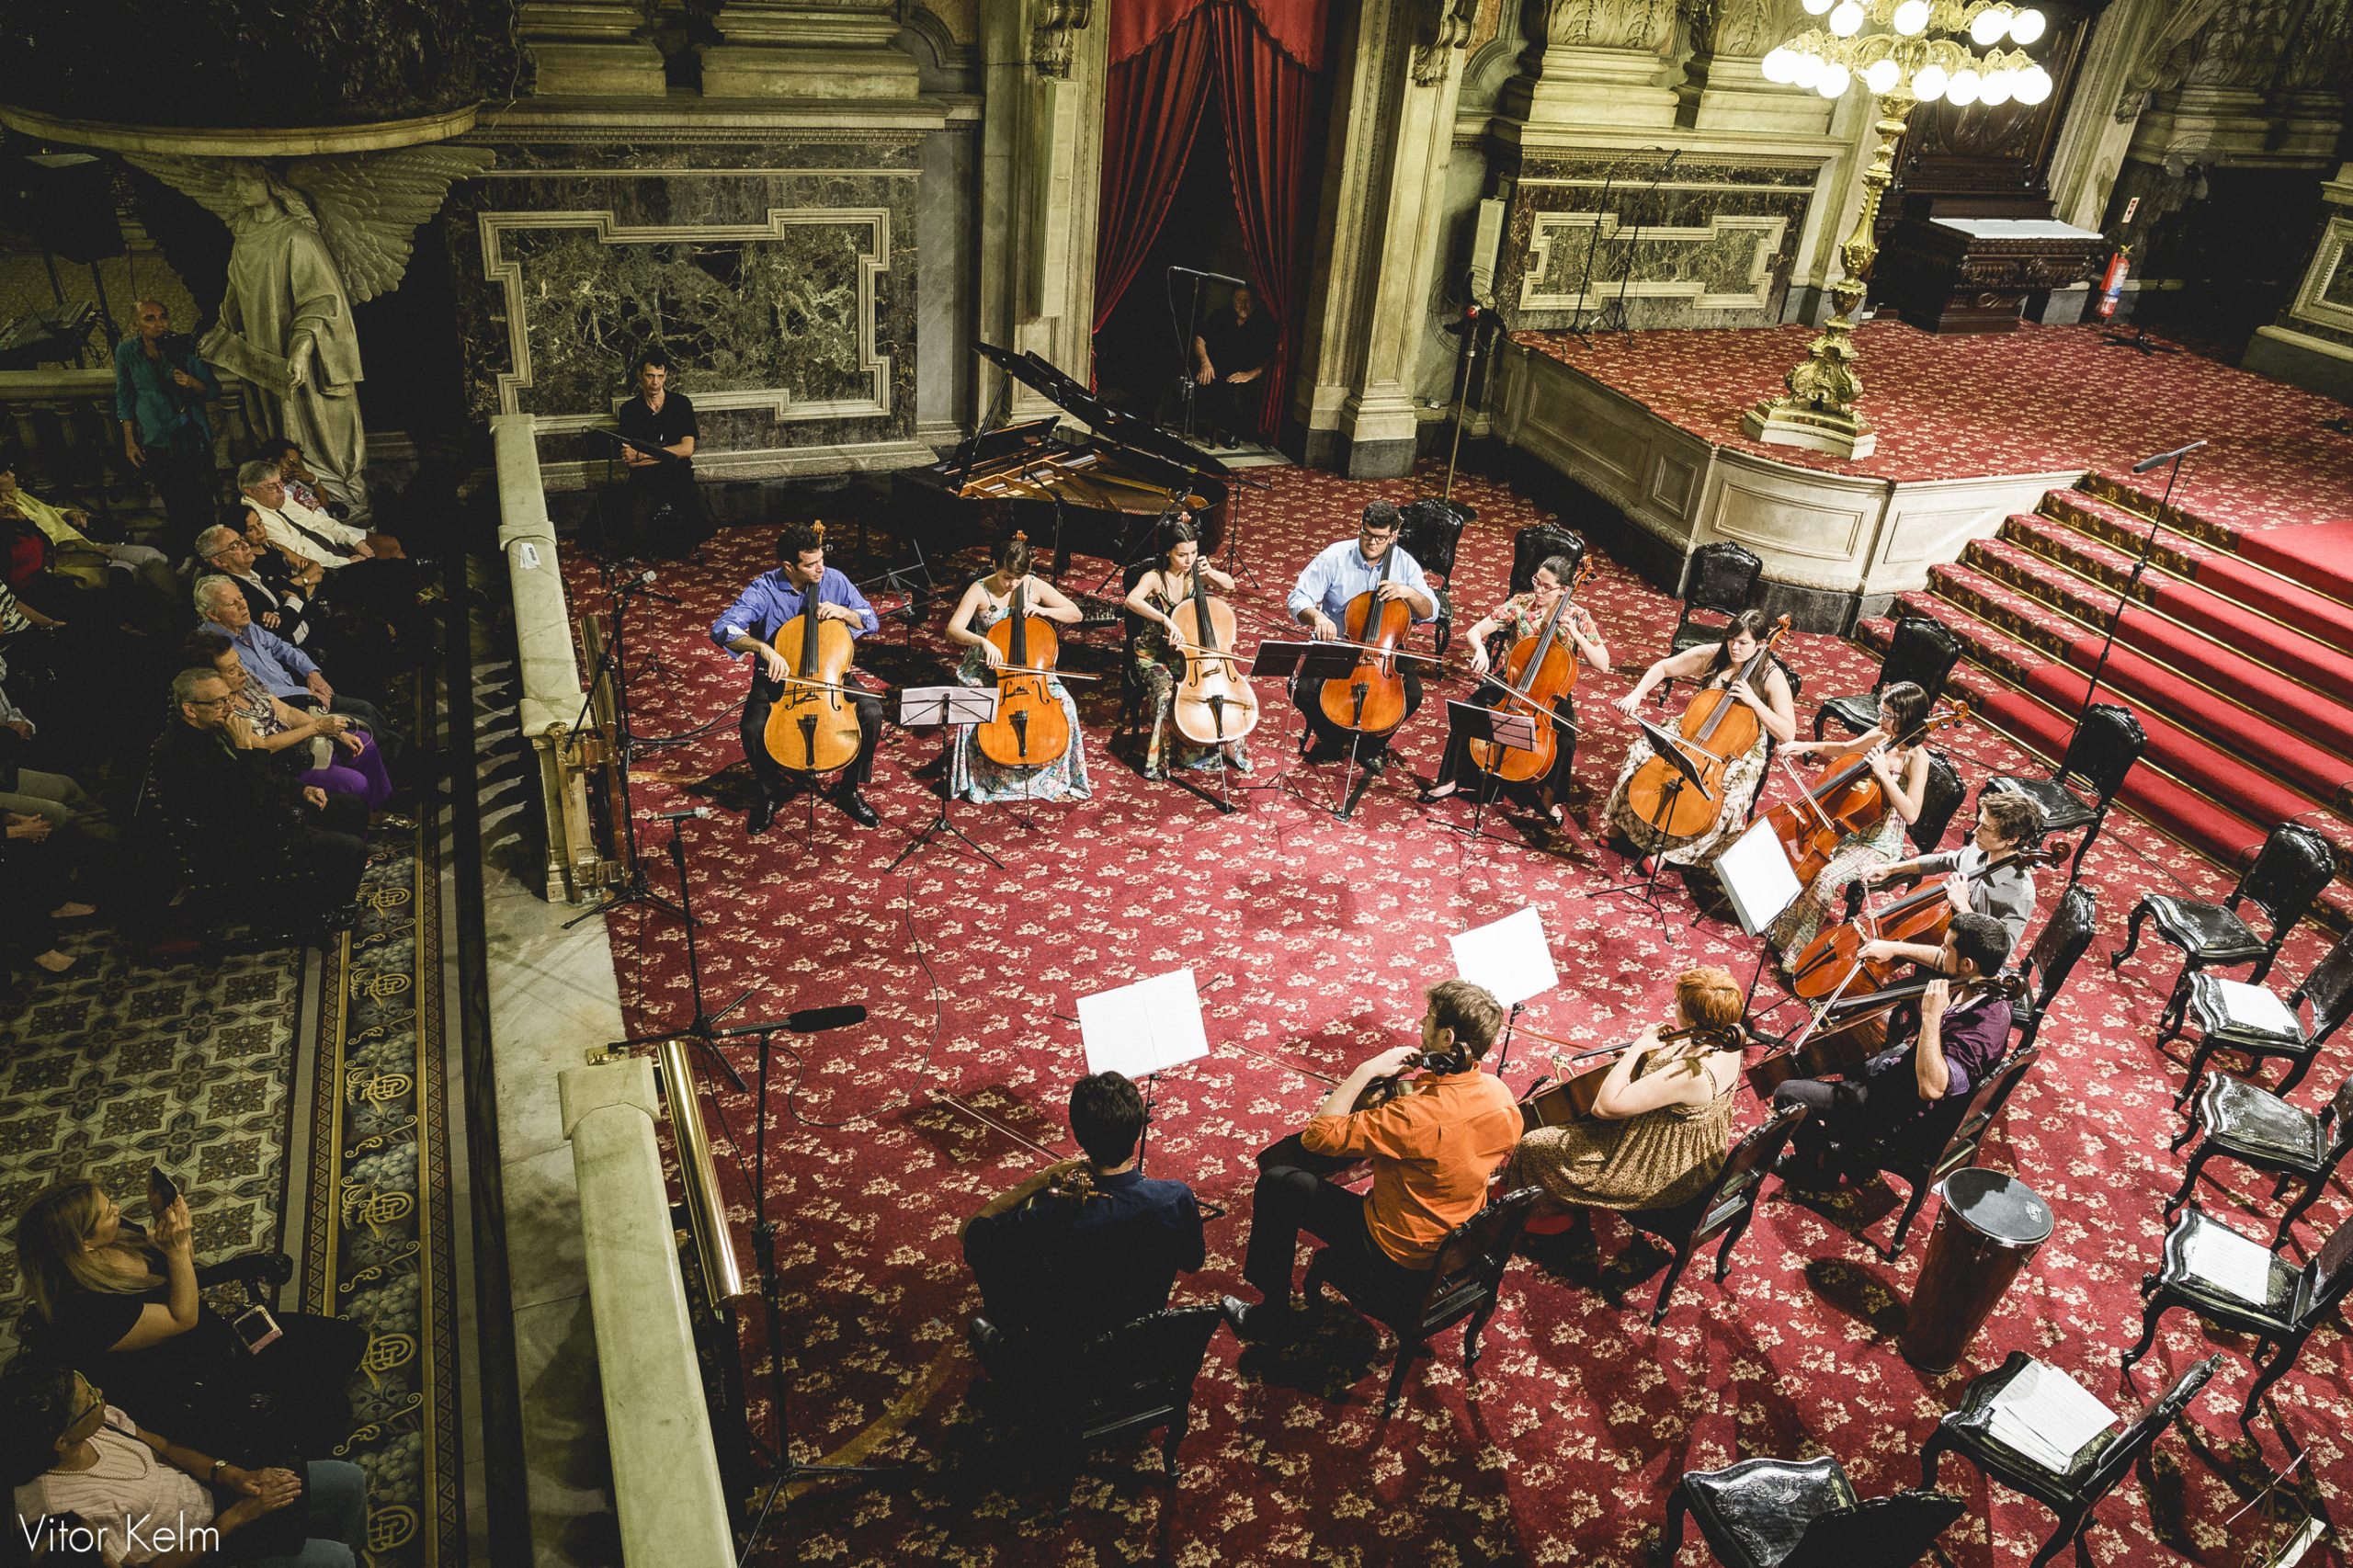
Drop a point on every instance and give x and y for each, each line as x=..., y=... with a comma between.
x=1221, y=277
x=812, y=1020
x=2145, y=464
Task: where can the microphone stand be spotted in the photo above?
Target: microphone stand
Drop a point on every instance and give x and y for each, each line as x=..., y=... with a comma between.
x=1185, y=351
x=636, y=888
x=1616, y=311
x=2141, y=565
x=703, y=1029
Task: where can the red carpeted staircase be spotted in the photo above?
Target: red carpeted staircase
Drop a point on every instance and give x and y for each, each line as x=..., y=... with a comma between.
x=2236, y=655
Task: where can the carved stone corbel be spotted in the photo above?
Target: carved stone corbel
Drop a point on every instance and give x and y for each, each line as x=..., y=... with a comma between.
x=1444, y=29
x=1053, y=35
x=2164, y=58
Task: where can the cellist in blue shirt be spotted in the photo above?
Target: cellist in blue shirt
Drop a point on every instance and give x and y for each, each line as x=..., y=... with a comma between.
x=1319, y=601
x=750, y=625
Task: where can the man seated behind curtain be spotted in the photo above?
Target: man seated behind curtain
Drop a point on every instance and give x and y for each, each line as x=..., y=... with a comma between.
x=1231, y=354
x=1084, y=1245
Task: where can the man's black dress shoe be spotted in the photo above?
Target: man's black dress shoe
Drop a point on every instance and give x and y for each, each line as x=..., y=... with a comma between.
x=763, y=812
x=851, y=801
x=1261, y=1324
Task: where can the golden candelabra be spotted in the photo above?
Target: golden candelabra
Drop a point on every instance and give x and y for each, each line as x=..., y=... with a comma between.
x=1916, y=54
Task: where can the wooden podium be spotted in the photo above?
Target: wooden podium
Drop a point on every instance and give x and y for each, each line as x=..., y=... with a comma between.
x=1957, y=274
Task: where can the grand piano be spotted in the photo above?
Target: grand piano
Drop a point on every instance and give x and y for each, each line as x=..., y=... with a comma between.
x=1100, y=496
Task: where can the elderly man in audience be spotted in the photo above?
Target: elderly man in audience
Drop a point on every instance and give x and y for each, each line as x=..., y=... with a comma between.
x=279, y=607
x=285, y=671
x=368, y=576
x=302, y=486
x=243, y=819
x=324, y=749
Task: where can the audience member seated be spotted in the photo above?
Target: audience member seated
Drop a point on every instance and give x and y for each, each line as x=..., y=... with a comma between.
x=302, y=487
x=367, y=575
x=122, y=1302
x=281, y=569
x=324, y=749
x=35, y=875
x=281, y=851
x=276, y=603
x=1084, y=1245
x=285, y=671
x=1433, y=1149
x=28, y=566
x=52, y=797
x=1938, y=1053
x=155, y=1501
x=1662, y=1116
x=94, y=553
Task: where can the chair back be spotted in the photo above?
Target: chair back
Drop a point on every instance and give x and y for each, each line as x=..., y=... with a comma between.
x=1736, y=1186
x=2324, y=1282
x=1879, y=1532
x=1939, y=797
x=1985, y=1103
x=1721, y=577
x=2062, y=940
x=2290, y=869
x=1471, y=1263
x=1432, y=529
x=2336, y=1120
x=1534, y=545
x=2122, y=1455
x=2105, y=747
x=2329, y=988
x=1921, y=651
x=1137, y=1375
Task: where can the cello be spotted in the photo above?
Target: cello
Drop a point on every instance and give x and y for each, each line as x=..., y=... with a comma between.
x=1030, y=729
x=813, y=727
x=1846, y=800
x=1370, y=699
x=1716, y=729
x=1537, y=674
x=1850, y=1030
x=1214, y=704
x=1922, y=916
x=1557, y=1104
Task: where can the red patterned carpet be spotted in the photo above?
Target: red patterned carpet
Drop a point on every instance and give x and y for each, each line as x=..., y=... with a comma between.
x=1313, y=939
x=2043, y=400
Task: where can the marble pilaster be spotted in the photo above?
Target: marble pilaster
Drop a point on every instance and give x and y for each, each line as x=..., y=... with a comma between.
x=775, y=48
x=1724, y=87
x=589, y=48
x=1598, y=62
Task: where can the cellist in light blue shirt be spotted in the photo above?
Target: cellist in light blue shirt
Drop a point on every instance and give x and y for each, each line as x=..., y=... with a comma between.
x=1319, y=601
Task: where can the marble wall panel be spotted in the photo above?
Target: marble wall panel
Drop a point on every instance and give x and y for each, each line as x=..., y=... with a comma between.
x=780, y=275
x=1711, y=244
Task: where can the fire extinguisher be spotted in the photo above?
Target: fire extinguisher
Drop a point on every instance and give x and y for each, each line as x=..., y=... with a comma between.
x=2111, y=283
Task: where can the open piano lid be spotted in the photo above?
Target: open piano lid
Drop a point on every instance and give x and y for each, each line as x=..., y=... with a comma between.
x=1117, y=429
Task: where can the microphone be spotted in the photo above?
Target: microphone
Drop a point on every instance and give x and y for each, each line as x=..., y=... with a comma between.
x=1221, y=277
x=2145, y=464
x=811, y=1021
x=640, y=581
x=696, y=811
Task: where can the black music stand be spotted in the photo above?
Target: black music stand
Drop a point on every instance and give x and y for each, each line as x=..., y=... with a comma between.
x=945, y=708
x=661, y=456
x=614, y=662
x=1468, y=721
x=1687, y=776
x=1292, y=663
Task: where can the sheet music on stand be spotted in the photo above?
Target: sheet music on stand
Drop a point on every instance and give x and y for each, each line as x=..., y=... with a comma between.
x=1145, y=1027
x=2048, y=1416
x=1509, y=956
x=1757, y=878
x=2253, y=1007
x=2230, y=1262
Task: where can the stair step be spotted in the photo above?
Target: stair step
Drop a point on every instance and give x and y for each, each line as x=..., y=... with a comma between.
x=2119, y=491
x=2211, y=568
x=2325, y=720
x=2223, y=741
x=2283, y=648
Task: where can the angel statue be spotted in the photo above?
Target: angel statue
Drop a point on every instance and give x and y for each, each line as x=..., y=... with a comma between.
x=311, y=242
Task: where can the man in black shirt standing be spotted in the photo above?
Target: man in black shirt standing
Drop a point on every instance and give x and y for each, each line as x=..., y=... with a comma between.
x=667, y=516
x=1084, y=1245
x=1229, y=355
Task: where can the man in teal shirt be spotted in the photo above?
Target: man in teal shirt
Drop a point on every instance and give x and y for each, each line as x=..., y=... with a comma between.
x=159, y=390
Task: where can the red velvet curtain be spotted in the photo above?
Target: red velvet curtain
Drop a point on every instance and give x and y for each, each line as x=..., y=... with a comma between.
x=1296, y=26
x=1152, y=109
x=1264, y=91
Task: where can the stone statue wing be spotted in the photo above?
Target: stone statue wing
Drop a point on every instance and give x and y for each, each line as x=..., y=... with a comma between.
x=369, y=204
x=211, y=182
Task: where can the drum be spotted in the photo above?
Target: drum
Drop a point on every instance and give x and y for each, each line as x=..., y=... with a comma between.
x=1988, y=1227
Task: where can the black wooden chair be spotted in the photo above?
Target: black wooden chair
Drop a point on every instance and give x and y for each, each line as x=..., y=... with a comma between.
x=1129, y=1381
x=2101, y=751
x=2258, y=1128
x=2064, y=938
x=1725, y=1209
x=1941, y=797
x=2294, y=1299
x=1463, y=1284
x=1770, y=1513
x=1431, y=533
x=2294, y=864
x=2070, y=1493
x=1717, y=584
x=1922, y=1162
x=1919, y=650
x=1537, y=543
x=2328, y=990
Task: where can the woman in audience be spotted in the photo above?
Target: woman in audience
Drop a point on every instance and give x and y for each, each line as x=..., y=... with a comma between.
x=1661, y=1122
x=122, y=1303
x=327, y=748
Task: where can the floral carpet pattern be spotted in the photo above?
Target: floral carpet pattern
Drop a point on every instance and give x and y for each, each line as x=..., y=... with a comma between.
x=1312, y=940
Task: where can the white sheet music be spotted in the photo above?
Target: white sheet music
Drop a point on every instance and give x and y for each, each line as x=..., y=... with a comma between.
x=2048, y=1416
x=2230, y=1262
x=1143, y=1028
x=2252, y=1008
x=1757, y=877
x=1509, y=956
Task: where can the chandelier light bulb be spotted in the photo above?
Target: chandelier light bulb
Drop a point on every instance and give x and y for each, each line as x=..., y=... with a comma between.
x=1963, y=90
x=1809, y=70
x=1847, y=19
x=1998, y=87
x=1989, y=26
x=1815, y=7
x=1835, y=81
x=2027, y=26
x=1911, y=18
x=1928, y=83
x=1881, y=75
x=1777, y=65
x=2034, y=84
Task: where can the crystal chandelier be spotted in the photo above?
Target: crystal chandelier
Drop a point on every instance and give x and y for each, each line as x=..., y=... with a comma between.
x=1915, y=51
